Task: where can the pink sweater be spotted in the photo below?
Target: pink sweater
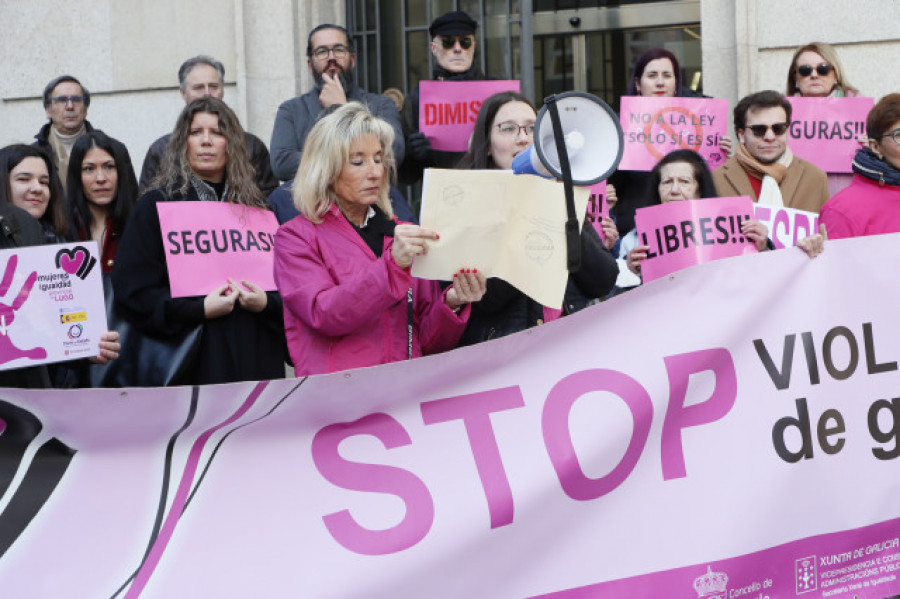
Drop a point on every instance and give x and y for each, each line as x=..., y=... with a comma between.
x=344, y=308
x=865, y=207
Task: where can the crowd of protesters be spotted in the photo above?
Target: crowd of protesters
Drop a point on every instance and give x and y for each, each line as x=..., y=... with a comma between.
x=342, y=257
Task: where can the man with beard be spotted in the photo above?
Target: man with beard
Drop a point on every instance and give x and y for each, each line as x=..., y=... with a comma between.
x=330, y=58
x=763, y=166
x=453, y=47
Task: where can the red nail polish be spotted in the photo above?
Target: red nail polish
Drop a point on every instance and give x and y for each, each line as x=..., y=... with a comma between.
x=474, y=270
x=436, y=236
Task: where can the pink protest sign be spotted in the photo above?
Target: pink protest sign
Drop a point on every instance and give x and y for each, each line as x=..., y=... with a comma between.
x=786, y=225
x=597, y=206
x=206, y=243
x=682, y=234
x=825, y=131
x=447, y=109
x=51, y=305
x=653, y=127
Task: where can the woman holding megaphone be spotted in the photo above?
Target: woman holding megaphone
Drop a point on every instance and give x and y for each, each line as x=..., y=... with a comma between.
x=503, y=129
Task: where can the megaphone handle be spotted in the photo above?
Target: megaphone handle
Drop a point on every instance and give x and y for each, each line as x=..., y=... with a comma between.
x=573, y=235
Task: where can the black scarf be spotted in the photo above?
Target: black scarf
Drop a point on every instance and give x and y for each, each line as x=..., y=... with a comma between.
x=870, y=166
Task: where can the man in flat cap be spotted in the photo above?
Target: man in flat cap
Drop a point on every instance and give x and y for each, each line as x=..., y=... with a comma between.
x=453, y=47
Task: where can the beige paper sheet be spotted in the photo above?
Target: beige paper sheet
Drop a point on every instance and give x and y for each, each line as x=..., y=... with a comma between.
x=505, y=225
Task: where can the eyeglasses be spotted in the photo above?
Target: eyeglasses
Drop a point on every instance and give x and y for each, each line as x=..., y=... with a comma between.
x=465, y=41
x=340, y=52
x=760, y=130
x=510, y=128
x=62, y=100
x=894, y=135
x=822, y=69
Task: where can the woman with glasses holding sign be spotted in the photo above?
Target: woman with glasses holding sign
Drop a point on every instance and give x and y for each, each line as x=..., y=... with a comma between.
x=503, y=129
x=871, y=203
x=242, y=332
x=343, y=265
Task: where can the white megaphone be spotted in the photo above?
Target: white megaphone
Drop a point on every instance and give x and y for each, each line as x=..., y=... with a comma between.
x=593, y=139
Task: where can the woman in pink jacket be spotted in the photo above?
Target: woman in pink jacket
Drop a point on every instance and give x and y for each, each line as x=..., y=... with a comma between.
x=342, y=266
x=870, y=205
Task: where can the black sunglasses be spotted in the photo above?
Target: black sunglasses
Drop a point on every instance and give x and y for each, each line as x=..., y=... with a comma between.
x=465, y=41
x=822, y=69
x=760, y=130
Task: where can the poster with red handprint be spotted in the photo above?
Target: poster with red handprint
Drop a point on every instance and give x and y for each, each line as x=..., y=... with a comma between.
x=51, y=304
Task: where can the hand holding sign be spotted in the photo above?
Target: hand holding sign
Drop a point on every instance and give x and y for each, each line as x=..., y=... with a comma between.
x=219, y=302
x=250, y=297
x=756, y=232
x=469, y=286
x=814, y=244
x=409, y=242
x=109, y=348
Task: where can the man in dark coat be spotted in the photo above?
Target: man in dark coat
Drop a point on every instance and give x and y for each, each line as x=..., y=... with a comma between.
x=330, y=59
x=453, y=47
x=66, y=102
x=199, y=77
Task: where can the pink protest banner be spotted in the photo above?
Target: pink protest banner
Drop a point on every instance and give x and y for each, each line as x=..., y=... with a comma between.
x=734, y=451
x=787, y=226
x=685, y=233
x=51, y=305
x=654, y=127
x=207, y=243
x=825, y=131
x=447, y=109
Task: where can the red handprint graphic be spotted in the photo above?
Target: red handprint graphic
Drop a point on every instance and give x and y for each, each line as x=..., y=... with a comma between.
x=8, y=351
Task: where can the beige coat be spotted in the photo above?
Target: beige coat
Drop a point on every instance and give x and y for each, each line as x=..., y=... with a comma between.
x=805, y=187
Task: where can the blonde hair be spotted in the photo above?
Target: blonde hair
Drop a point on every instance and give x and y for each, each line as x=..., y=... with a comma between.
x=827, y=52
x=327, y=151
